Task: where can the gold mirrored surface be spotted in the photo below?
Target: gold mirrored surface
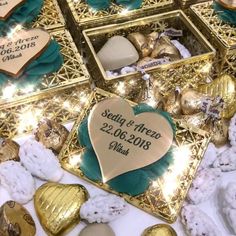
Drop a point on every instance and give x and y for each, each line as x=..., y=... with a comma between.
x=164, y=196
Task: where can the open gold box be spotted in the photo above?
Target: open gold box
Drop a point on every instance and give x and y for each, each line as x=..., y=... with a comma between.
x=165, y=196
x=72, y=71
x=185, y=4
x=182, y=73
x=221, y=35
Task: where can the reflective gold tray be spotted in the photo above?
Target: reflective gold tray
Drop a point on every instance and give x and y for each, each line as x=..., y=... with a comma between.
x=62, y=105
x=221, y=35
x=182, y=73
x=165, y=196
x=72, y=71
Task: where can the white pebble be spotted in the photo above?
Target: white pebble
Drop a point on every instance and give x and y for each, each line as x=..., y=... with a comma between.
x=209, y=157
x=17, y=180
x=232, y=131
x=40, y=161
x=204, y=185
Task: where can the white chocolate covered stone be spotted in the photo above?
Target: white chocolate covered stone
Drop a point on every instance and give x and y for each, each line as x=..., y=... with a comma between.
x=117, y=52
x=197, y=223
x=40, y=161
x=17, y=181
x=209, y=157
x=204, y=185
x=226, y=161
x=103, y=208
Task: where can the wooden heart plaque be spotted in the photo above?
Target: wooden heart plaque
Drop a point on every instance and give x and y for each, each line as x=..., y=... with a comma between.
x=125, y=142
x=18, y=51
x=8, y=6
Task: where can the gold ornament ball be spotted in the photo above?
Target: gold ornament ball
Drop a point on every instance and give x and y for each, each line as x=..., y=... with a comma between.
x=9, y=150
x=159, y=230
x=51, y=134
x=16, y=220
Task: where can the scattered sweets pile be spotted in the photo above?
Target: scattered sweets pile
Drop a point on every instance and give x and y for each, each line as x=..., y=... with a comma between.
x=121, y=55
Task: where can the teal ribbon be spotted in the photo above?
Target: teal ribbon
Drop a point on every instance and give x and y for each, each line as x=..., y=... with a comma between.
x=48, y=62
x=133, y=182
x=226, y=15
x=23, y=14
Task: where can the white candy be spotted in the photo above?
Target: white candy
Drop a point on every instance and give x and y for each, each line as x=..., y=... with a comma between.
x=103, y=208
x=232, y=131
x=182, y=49
x=204, y=185
x=127, y=69
x=40, y=161
x=209, y=157
x=229, y=204
x=226, y=161
x=197, y=223
x=17, y=180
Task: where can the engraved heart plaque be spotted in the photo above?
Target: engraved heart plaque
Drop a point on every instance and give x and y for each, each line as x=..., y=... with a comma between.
x=125, y=142
x=18, y=51
x=8, y=6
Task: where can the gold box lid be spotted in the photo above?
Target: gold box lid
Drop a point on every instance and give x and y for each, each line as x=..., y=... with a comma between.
x=223, y=32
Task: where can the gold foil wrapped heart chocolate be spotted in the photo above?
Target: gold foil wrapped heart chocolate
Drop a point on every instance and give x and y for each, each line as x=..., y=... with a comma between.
x=9, y=150
x=16, y=220
x=172, y=104
x=159, y=230
x=51, y=134
x=58, y=206
x=7, y=6
x=225, y=87
x=20, y=49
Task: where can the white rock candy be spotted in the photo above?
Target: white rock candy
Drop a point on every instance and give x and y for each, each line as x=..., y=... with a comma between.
x=103, y=208
x=40, y=161
x=226, y=161
x=232, y=131
x=197, y=223
x=204, y=185
x=229, y=204
x=209, y=157
x=17, y=180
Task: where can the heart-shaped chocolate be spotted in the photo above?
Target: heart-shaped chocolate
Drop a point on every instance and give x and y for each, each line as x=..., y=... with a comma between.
x=58, y=206
x=20, y=48
x=125, y=142
x=8, y=6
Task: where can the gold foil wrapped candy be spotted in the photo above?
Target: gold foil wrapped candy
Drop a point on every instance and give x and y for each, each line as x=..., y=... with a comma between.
x=141, y=44
x=159, y=230
x=172, y=104
x=164, y=48
x=15, y=220
x=191, y=101
x=225, y=87
x=58, y=206
x=51, y=134
x=9, y=150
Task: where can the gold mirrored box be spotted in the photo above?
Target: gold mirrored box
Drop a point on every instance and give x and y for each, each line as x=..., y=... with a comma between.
x=72, y=71
x=181, y=73
x=62, y=105
x=185, y=4
x=50, y=16
x=79, y=15
x=220, y=34
x=165, y=196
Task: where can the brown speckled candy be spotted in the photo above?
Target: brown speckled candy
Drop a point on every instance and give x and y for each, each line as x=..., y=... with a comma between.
x=9, y=150
x=15, y=220
x=51, y=134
